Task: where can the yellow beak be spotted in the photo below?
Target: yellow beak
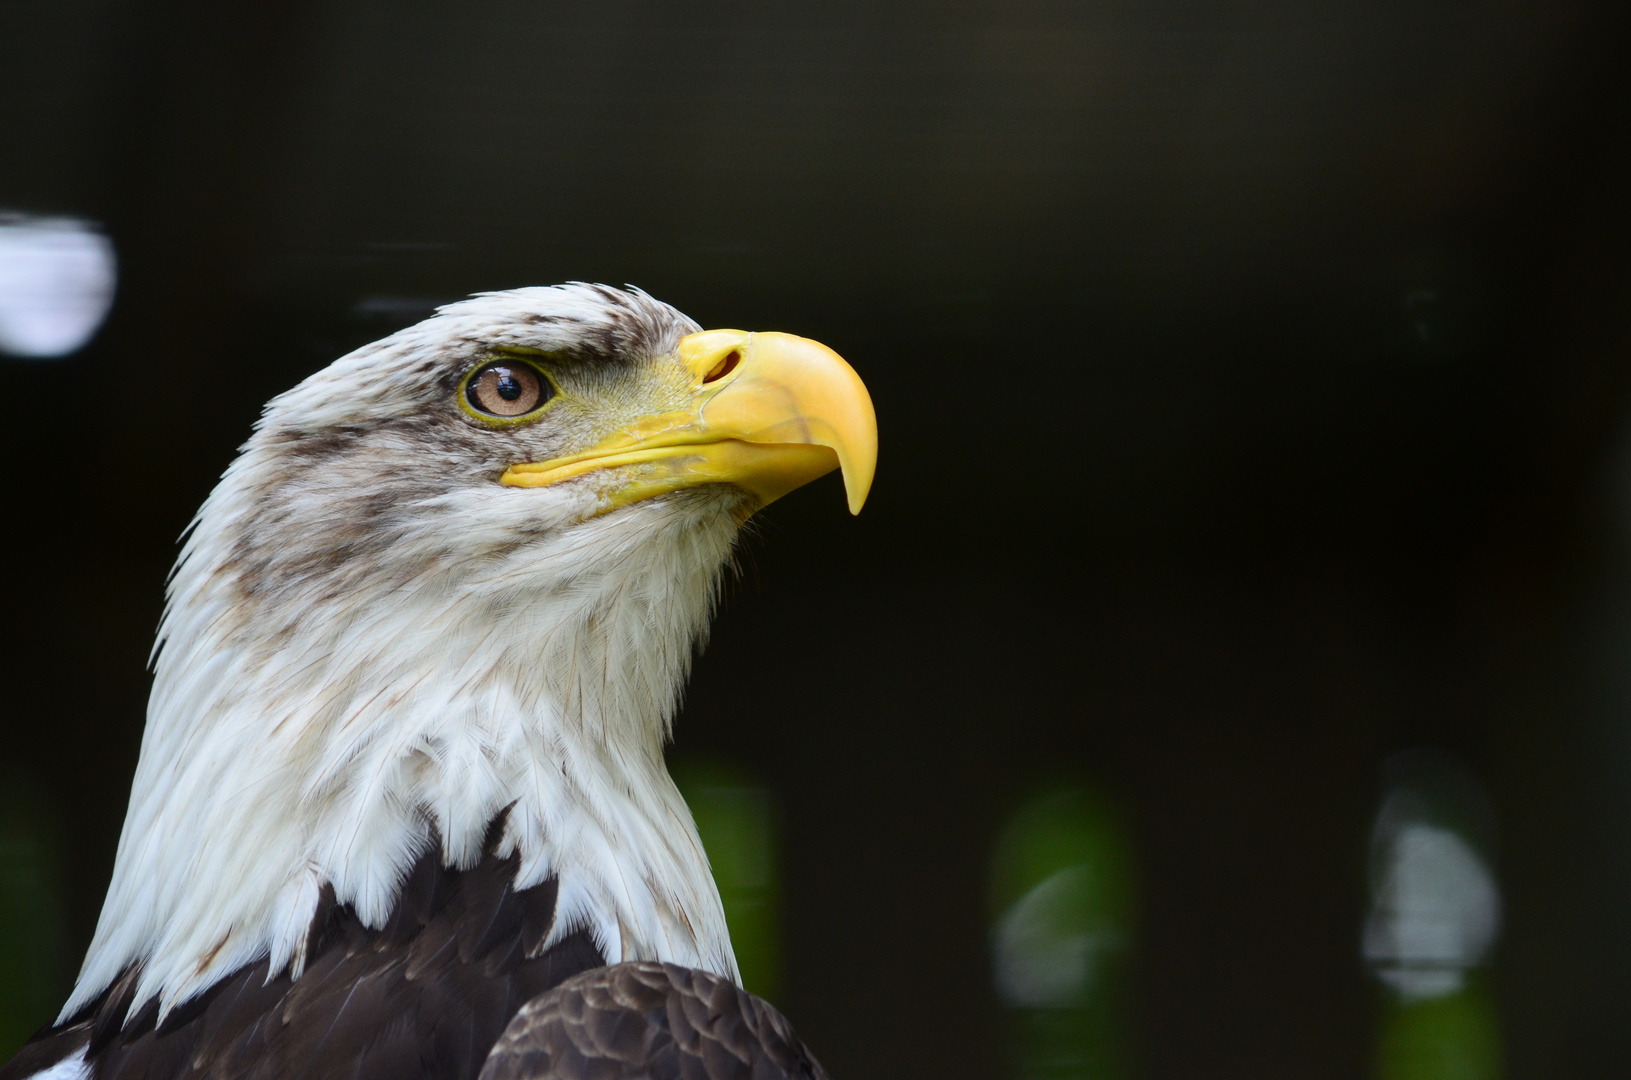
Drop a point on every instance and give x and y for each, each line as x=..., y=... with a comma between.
x=769, y=413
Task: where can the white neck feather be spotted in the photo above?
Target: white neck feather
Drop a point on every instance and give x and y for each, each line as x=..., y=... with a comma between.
x=322, y=730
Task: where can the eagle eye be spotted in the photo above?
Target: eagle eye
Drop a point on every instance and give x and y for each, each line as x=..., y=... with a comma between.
x=506, y=389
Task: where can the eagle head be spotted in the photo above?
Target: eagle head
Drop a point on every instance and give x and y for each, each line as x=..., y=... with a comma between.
x=455, y=579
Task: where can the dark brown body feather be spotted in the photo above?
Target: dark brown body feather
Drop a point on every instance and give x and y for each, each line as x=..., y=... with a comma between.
x=644, y=1021
x=426, y=996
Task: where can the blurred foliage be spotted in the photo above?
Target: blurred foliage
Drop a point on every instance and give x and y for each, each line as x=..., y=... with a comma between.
x=1062, y=896
x=736, y=818
x=33, y=967
x=1454, y=1037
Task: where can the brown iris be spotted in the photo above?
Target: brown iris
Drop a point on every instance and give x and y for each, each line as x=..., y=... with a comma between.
x=506, y=388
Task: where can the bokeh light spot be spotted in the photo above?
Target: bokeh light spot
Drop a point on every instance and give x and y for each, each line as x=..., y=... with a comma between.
x=57, y=278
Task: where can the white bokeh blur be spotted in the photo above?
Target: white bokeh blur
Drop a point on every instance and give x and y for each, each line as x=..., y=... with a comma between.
x=57, y=278
x=1435, y=911
x=1049, y=945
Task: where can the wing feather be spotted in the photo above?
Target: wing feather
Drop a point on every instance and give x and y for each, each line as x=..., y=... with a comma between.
x=648, y=1021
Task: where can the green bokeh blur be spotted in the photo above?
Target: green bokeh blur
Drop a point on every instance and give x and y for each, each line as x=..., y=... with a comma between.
x=736, y=818
x=1062, y=897
x=1453, y=1037
x=33, y=962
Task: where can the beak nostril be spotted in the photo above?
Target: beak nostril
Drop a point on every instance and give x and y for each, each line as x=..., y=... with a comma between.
x=725, y=366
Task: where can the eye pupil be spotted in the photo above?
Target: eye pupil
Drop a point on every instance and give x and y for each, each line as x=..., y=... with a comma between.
x=505, y=389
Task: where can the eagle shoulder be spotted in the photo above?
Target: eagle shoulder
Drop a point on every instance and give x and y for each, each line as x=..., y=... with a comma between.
x=649, y=1021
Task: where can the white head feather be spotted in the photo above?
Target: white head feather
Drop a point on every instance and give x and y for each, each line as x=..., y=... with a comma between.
x=369, y=643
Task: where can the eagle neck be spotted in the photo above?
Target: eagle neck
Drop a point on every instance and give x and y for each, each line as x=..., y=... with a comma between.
x=312, y=734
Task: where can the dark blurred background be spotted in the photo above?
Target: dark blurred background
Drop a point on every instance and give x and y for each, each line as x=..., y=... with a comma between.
x=1252, y=379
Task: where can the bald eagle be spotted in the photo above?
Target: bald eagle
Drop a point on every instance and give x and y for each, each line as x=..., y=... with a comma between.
x=401, y=808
